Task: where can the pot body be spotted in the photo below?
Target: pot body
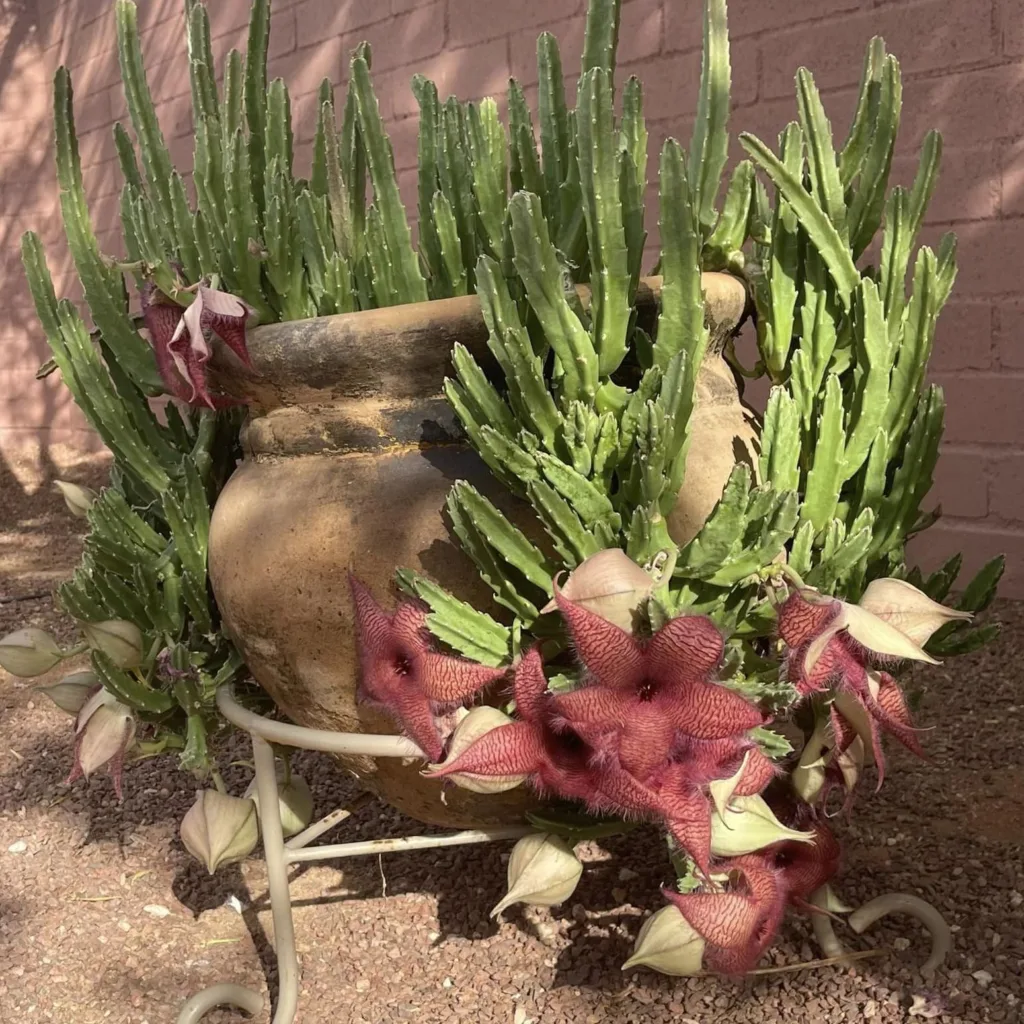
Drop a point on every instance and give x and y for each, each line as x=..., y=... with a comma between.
x=350, y=452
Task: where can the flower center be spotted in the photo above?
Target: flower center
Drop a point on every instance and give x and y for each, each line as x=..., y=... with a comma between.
x=645, y=691
x=402, y=665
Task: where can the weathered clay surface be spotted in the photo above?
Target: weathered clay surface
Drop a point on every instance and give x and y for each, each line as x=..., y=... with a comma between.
x=350, y=453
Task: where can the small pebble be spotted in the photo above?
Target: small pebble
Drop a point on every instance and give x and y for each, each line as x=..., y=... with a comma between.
x=19, y=847
x=983, y=978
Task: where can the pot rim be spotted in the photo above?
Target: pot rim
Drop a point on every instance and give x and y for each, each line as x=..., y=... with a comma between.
x=402, y=352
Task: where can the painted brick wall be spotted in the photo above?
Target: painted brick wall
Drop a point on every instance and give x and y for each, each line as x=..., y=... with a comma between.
x=963, y=63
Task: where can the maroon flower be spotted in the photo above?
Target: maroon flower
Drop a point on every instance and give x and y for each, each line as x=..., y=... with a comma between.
x=642, y=699
x=828, y=646
x=806, y=867
x=401, y=671
x=180, y=337
x=739, y=924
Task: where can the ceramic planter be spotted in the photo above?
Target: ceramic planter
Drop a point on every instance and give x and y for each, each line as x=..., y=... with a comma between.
x=350, y=451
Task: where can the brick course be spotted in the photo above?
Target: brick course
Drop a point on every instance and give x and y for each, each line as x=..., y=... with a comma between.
x=963, y=65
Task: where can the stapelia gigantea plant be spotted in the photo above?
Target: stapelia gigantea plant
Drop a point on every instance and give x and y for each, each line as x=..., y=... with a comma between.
x=655, y=681
x=250, y=242
x=783, y=607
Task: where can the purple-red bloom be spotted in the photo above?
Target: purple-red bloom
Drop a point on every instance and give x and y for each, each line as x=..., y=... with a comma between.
x=739, y=924
x=643, y=699
x=821, y=652
x=180, y=337
x=401, y=671
x=643, y=737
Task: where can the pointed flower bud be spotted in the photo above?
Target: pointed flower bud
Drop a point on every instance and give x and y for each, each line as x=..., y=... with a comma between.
x=668, y=943
x=905, y=608
x=749, y=825
x=542, y=871
x=476, y=723
x=219, y=829
x=808, y=777
x=72, y=692
x=294, y=799
x=610, y=584
x=119, y=640
x=104, y=731
x=78, y=499
x=29, y=652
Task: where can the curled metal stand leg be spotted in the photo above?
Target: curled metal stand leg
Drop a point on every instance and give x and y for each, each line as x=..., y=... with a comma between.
x=279, y=855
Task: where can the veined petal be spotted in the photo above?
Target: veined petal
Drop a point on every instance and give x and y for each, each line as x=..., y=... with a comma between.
x=611, y=655
x=903, y=606
x=803, y=615
x=594, y=707
x=816, y=648
x=448, y=680
x=879, y=637
x=530, y=686
x=687, y=649
x=514, y=749
x=727, y=919
x=890, y=708
x=710, y=711
x=226, y=316
x=415, y=714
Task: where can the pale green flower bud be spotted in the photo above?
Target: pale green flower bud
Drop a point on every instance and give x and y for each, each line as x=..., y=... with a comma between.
x=667, y=943
x=105, y=729
x=476, y=723
x=219, y=829
x=808, y=777
x=542, y=871
x=29, y=652
x=610, y=584
x=119, y=640
x=78, y=499
x=749, y=825
x=294, y=799
x=71, y=693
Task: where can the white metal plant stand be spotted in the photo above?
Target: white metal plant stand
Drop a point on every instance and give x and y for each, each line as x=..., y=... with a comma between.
x=280, y=854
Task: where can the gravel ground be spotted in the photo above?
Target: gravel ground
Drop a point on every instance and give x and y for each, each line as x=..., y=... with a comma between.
x=105, y=918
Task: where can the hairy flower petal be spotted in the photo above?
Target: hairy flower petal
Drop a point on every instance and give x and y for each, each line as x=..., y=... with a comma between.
x=686, y=649
x=514, y=749
x=612, y=657
x=401, y=672
x=709, y=711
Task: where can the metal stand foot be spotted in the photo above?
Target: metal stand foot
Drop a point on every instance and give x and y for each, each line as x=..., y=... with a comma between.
x=279, y=854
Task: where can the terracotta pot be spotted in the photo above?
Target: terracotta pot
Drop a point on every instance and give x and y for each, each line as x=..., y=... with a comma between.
x=350, y=451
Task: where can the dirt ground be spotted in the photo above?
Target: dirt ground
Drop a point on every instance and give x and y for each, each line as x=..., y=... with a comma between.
x=105, y=918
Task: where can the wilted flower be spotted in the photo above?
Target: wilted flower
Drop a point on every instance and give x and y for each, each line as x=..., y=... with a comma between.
x=29, y=652
x=104, y=731
x=737, y=924
x=72, y=692
x=118, y=639
x=542, y=871
x=668, y=943
x=748, y=825
x=294, y=799
x=476, y=723
x=219, y=829
x=181, y=338
x=401, y=671
x=610, y=584
x=832, y=642
x=78, y=499
x=806, y=867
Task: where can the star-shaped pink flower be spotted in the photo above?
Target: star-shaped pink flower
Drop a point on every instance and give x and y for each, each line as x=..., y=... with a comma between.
x=401, y=671
x=641, y=696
